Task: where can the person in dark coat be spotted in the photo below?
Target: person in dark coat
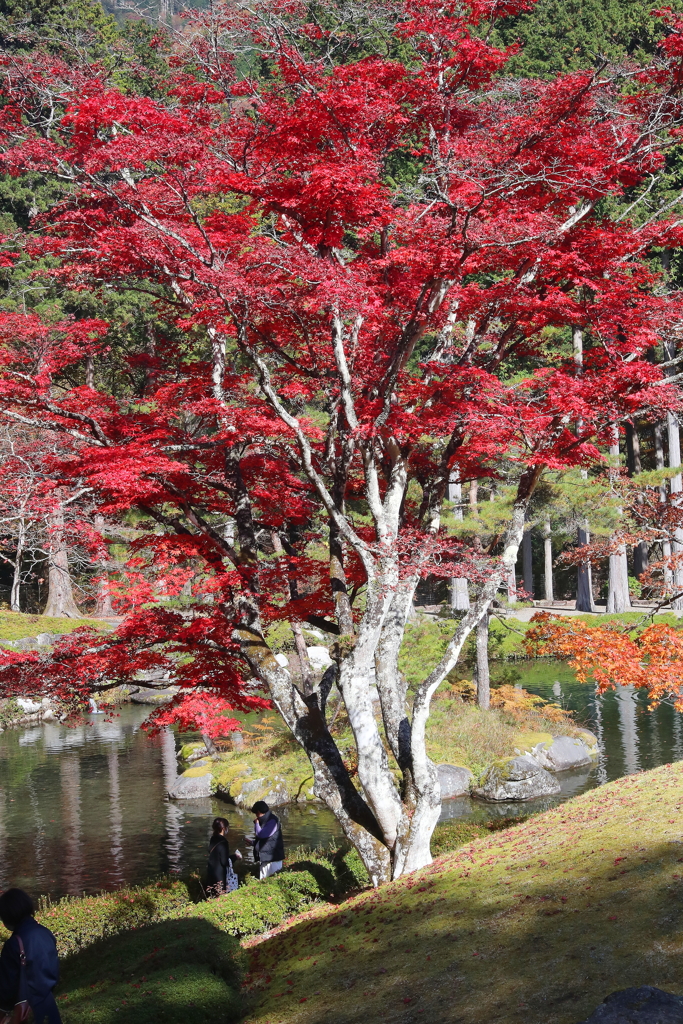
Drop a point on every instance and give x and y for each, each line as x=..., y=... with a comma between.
x=269, y=848
x=34, y=982
x=219, y=858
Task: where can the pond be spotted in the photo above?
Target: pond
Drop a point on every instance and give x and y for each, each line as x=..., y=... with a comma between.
x=84, y=808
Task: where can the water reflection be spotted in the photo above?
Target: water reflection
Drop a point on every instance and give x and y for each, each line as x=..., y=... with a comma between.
x=84, y=809
x=632, y=737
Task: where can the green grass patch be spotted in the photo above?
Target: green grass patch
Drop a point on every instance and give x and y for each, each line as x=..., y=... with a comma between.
x=532, y=925
x=168, y=973
x=19, y=626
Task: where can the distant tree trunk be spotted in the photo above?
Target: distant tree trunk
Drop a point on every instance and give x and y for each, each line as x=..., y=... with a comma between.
x=482, y=675
x=659, y=462
x=548, y=561
x=474, y=494
x=90, y=372
x=675, y=487
x=527, y=563
x=104, y=609
x=460, y=598
x=60, y=597
x=640, y=552
x=584, y=580
x=618, y=597
x=15, y=596
x=584, y=576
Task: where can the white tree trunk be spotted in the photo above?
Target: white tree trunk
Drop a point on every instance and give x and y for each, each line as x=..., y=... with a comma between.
x=675, y=487
x=618, y=597
x=60, y=597
x=460, y=598
x=483, y=675
x=584, y=580
x=15, y=596
x=527, y=563
x=659, y=463
x=548, y=562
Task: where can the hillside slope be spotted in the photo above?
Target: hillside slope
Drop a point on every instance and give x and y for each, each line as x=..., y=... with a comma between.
x=535, y=925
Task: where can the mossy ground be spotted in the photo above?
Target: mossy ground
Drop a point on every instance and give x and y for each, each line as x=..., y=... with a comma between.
x=168, y=973
x=533, y=925
x=19, y=626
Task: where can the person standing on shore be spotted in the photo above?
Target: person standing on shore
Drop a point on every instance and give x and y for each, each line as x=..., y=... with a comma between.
x=269, y=849
x=29, y=967
x=220, y=872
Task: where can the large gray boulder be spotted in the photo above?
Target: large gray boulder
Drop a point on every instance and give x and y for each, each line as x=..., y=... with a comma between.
x=564, y=753
x=644, y=1005
x=454, y=780
x=516, y=778
x=192, y=785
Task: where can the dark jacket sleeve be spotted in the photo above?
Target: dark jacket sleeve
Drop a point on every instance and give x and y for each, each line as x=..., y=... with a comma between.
x=9, y=974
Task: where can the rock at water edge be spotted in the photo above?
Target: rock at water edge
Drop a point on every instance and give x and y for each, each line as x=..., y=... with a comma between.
x=644, y=1005
x=192, y=785
x=563, y=753
x=518, y=778
x=454, y=780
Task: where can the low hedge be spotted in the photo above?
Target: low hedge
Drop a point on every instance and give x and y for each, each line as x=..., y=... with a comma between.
x=77, y=922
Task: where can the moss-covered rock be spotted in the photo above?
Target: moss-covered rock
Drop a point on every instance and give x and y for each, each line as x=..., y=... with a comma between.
x=516, y=778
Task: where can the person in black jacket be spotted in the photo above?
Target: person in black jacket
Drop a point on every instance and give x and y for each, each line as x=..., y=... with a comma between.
x=269, y=849
x=35, y=981
x=219, y=858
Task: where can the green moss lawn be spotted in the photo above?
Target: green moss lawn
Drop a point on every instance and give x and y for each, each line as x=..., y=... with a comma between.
x=169, y=973
x=532, y=925
x=19, y=626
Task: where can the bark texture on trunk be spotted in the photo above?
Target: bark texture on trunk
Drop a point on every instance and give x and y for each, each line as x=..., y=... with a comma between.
x=483, y=676
x=584, y=579
x=659, y=463
x=640, y=551
x=15, y=595
x=104, y=608
x=618, y=597
x=527, y=563
x=675, y=487
x=60, y=596
x=460, y=598
x=548, y=562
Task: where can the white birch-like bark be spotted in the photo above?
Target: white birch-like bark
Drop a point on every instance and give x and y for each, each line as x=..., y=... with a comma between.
x=15, y=595
x=675, y=488
x=483, y=675
x=666, y=543
x=618, y=597
x=548, y=591
x=460, y=598
x=527, y=563
x=584, y=577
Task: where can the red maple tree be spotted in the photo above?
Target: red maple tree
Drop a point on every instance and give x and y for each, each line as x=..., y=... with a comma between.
x=361, y=262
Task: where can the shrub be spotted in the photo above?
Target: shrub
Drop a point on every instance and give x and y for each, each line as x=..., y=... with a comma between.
x=77, y=922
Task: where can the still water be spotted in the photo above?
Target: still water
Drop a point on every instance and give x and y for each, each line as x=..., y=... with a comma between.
x=84, y=809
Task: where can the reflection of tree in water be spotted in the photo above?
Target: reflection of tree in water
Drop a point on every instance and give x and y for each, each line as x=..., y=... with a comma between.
x=70, y=774
x=628, y=709
x=115, y=819
x=173, y=843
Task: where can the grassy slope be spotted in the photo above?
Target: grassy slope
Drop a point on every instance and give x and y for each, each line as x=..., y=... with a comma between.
x=535, y=925
x=173, y=972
